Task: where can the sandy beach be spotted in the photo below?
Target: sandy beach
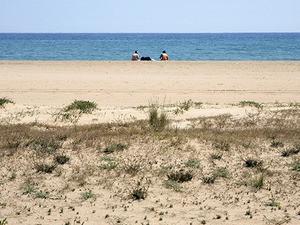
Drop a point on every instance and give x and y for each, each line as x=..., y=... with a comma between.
x=226, y=153
x=117, y=83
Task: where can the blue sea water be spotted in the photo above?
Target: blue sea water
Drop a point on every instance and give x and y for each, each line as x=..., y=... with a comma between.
x=183, y=46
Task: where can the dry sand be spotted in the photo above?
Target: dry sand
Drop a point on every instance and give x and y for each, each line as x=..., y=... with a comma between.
x=123, y=92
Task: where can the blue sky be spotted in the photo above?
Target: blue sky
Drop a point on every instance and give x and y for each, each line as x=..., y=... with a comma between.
x=149, y=16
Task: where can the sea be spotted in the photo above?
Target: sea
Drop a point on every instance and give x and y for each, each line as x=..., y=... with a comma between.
x=121, y=46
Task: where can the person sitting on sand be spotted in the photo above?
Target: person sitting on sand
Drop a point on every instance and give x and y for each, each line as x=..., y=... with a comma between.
x=135, y=56
x=164, y=56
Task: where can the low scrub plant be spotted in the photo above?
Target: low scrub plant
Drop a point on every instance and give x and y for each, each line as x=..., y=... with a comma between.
x=3, y=222
x=28, y=188
x=180, y=176
x=250, y=162
x=44, y=167
x=62, y=159
x=272, y=203
x=45, y=144
x=82, y=106
x=276, y=144
x=295, y=165
x=250, y=103
x=4, y=101
x=170, y=184
x=158, y=122
x=291, y=151
x=258, y=182
x=132, y=166
x=87, y=195
x=43, y=195
x=192, y=163
x=217, y=156
x=209, y=179
x=139, y=191
x=109, y=162
x=222, y=145
x=115, y=147
x=221, y=172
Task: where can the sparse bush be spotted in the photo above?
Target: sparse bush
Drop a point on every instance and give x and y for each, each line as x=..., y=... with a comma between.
x=192, y=163
x=132, y=166
x=180, y=176
x=272, y=203
x=223, y=145
x=87, y=195
x=46, y=168
x=295, y=165
x=221, y=172
x=258, y=182
x=114, y=147
x=139, y=192
x=170, y=184
x=82, y=106
x=43, y=195
x=291, y=151
x=216, y=156
x=4, y=101
x=3, y=222
x=276, y=144
x=250, y=103
x=247, y=144
x=45, y=145
x=62, y=159
x=208, y=179
x=28, y=188
x=109, y=162
x=158, y=122
x=250, y=162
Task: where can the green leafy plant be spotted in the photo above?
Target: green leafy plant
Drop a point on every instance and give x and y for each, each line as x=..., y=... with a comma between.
x=250, y=162
x=276, y=144
x=221, y=172
x=43, y=195
x=295, y=165
x=115, y=147
x=139, y=191
x=170, y=184
x=82, y=106
x=192, y=163
x=3, y=222
x=87, y=195
x=180, y=176
x=158, y=122
x=109, y=162
x=272, y=202
x=28, y=188
x=250, y=103
x=208, y=179
x=4, y=101
x=62, y=159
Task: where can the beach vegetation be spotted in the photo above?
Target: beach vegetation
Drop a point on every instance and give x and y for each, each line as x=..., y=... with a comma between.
x=192, y=163
x=108, y=162
x=251, y=162
x=88, y=194
x=210, y=179
x=217, y=156
x=4, y=101
x=115, y=147
x=222, y=145
x=62, y=159
x=3, y=222
x=258, y=182
x=250, y=103
x=276, y=144
x=157, y=120
x=140, y=190
x=221, y=172
x=170, y=184
x=82, y=106
x=295, y=165
x=180, y=176
x=132, y=166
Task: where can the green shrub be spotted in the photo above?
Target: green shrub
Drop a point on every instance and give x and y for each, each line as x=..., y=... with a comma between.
x=295, y=165
x=170, y=184
x=87, y=195
x=250, y=162
x=82, y=106
x=250, y=103
x=4, y=101
x=221, y=172
x=114, y=147
x=158, y=122
x=192, y=163
x=180, y=176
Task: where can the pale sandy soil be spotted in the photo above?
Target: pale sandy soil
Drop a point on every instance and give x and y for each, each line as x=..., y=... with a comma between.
x=123, y=92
